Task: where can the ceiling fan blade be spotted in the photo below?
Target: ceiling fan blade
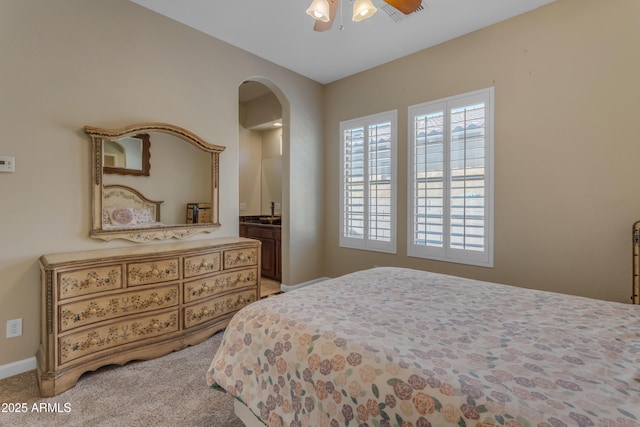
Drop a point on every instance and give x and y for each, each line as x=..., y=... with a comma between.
x=324, y=26
x=405, y=6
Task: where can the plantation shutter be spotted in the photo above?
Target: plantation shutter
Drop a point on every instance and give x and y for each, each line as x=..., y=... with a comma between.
x=450, y=179
x=353, y=198
x=368, y=183
x=379, y=182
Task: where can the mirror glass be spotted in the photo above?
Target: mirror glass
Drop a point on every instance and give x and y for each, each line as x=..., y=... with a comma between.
x=181, y=175
x=271, y=185
x=127, y=156
x=141, y=207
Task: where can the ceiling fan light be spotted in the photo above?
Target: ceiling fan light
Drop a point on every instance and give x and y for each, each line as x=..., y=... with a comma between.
x=363, y=9
x=319, y=10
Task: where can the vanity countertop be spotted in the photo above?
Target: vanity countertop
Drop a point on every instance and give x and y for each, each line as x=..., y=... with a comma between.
x=260, y=224
x=261, y=220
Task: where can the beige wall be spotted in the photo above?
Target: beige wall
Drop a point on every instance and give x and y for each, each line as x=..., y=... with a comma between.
x=259, y=111
x=566, y=145
x=69, y=63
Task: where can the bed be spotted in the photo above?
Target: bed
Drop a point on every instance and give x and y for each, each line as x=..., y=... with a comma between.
x=401, y=347
x=126, y=208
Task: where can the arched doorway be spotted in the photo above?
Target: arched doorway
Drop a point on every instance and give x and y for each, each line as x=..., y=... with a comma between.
x=263, y=164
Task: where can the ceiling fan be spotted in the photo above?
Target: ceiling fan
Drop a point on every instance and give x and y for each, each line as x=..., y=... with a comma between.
x=324, y=11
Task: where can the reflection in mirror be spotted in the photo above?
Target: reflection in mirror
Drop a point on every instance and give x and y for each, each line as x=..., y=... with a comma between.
x=127, y=156
x=185, y=172
x=181, y=175
x=271, y=186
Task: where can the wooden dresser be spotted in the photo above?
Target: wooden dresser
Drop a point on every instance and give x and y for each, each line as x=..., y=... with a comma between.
x=115, y=305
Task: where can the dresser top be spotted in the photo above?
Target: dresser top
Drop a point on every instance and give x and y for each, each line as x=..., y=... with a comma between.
x=143, y=250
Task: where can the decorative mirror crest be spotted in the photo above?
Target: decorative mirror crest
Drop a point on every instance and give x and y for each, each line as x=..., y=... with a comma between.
x=125, y=206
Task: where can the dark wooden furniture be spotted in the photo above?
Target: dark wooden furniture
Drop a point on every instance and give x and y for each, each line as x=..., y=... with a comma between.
x=198, y=213
x=271, y=238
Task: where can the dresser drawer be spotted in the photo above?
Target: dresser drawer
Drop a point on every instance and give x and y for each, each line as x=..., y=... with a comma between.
x=240, y=258
x=85, y=312
x=210, y=310
x=152, y=272
x=127, y=331
x=202, y=264
x=210, y=286
x=89, y=280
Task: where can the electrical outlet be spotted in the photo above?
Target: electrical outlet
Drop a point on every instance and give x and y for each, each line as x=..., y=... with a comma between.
x=14, y=328
x=7, y=164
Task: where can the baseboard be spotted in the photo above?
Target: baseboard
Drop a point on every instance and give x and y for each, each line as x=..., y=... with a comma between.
x=285, y=288
x=15, y=368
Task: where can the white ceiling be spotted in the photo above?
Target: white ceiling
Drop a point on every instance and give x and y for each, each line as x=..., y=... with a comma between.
x=280, y=31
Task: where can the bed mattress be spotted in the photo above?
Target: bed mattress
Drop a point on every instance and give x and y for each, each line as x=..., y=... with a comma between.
x=401, y=347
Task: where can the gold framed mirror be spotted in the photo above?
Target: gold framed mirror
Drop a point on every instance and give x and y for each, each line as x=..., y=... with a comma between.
x=141, y=208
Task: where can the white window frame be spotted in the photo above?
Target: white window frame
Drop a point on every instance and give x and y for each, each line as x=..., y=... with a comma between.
x=445, y=252
x=366, y=243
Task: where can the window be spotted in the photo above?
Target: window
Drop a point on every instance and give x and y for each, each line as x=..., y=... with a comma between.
x=368, y=182
x=451, y=179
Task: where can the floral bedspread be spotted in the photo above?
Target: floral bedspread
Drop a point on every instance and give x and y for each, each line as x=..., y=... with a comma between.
x=399, y=347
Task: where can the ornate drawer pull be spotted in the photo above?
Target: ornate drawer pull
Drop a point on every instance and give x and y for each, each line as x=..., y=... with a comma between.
x=156, y=300
x=155, y=272
x=92, y=280
x=93, y=341
x=156, y=326
x=92, y=311
x=205, y=264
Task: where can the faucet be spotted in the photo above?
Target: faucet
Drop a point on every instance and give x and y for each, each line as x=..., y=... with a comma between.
x=273, y=206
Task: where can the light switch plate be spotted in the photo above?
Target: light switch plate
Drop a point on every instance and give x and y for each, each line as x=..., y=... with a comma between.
x=7, y=164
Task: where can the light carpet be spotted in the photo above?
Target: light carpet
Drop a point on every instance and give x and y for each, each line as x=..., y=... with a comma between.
x=167, y=391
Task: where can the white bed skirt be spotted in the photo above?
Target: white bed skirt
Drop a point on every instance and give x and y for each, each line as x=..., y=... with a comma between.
x=245, y=415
